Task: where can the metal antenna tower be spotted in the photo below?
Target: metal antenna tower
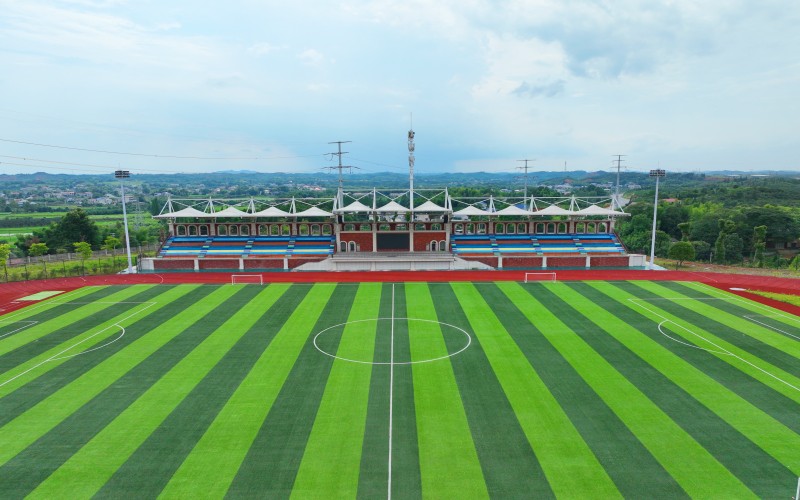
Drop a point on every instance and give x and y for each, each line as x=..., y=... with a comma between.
x=616, y=205
x=340, y=167
x=137, y=216
x=525, y=169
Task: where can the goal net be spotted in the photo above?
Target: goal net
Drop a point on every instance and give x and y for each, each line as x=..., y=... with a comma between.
x=247, y=279
x=539, y=277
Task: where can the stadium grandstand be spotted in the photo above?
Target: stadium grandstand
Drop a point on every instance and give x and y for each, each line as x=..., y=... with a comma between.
x=391, y=230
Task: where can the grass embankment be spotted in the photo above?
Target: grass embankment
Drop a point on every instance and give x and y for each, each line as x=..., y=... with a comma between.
x=705, y=267
x=783, y=297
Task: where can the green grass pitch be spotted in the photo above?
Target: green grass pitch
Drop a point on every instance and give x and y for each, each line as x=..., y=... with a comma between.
x=441, y=390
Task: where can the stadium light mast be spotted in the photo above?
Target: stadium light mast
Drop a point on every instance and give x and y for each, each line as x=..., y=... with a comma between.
x=616, y=205
x=340, y=167
x=658, y=174
x=122, y=175
x=411, y=160
x=525, y=174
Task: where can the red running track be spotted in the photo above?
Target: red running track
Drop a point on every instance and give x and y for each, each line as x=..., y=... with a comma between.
x=10, y=293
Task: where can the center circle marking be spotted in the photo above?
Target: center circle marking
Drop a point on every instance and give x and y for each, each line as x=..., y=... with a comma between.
x=376, y=320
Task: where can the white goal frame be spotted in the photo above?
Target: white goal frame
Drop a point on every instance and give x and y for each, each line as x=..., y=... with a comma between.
x=551, y=276
x=249, y=279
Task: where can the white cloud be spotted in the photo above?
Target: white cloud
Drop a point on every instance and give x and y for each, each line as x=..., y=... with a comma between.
x=551, y=79
x=311, y=57
x=263, y=48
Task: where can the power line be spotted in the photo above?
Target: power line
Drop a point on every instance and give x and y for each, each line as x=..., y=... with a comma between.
x=148, y=155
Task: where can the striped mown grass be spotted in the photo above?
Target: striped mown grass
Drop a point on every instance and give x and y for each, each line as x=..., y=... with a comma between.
x=608, y=389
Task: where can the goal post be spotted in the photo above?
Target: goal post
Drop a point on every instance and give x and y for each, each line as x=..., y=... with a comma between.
x=540, y=277
x=247, y=279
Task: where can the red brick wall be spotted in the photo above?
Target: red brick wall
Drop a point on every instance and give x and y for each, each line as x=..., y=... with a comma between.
x=173, y=264
x=491, y=261
x=362, y=239
x=252, y=263
x=611, y=261
x=295, y=262
x=566, y=262
x=219, y=263
x=421, y=240
x=523, y=261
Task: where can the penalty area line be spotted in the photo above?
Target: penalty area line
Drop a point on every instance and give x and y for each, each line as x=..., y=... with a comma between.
x=27, y=325
x=59, y=355
x=722, y=351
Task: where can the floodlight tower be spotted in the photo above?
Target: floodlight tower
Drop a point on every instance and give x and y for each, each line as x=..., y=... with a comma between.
x=616, y=205
x=122, y=175
x=411, y=160
x=658, y=174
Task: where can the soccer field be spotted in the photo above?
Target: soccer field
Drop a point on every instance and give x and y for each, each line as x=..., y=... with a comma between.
x=440, y=390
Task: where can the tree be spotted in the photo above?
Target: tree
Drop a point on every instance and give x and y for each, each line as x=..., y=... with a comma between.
x=37, y=250
x=75, y=226
x=5, y=253
x=84, y=251
x=726, y=227
x=681, y=251
x=111, y=243
x=759, y=244
x=794, y=264
x=733, y=248
x=663, y=242
x=670, y=217
x=782, y=223
x=702, y=250
x=686, y=230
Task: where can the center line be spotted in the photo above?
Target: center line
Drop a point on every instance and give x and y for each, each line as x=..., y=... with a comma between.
x=391, y=396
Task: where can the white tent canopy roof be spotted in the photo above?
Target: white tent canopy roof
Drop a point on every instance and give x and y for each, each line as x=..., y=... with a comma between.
x=595, y=210
x=430, y=206
x=229, y=212
x=513, y=210
x=271, y=212
x=186, y=212
x=356, y=206
x=472, y=210
x=312, y=212
x=553, y=210
x=392, y=206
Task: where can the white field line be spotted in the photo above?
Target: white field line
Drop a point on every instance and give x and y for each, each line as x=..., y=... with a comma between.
x=722, y=350
x=28, y=325
x=724, y=296
x=695, y=346
x=58, y=355
x=770, y=326
x=467, y=335
x=391, y=399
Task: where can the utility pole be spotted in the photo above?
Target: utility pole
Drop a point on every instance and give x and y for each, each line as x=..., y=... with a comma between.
x=340, y=167
x=525, y=169
x=616, y=205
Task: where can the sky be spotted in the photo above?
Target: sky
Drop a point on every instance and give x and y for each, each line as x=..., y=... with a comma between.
x=89, y=86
